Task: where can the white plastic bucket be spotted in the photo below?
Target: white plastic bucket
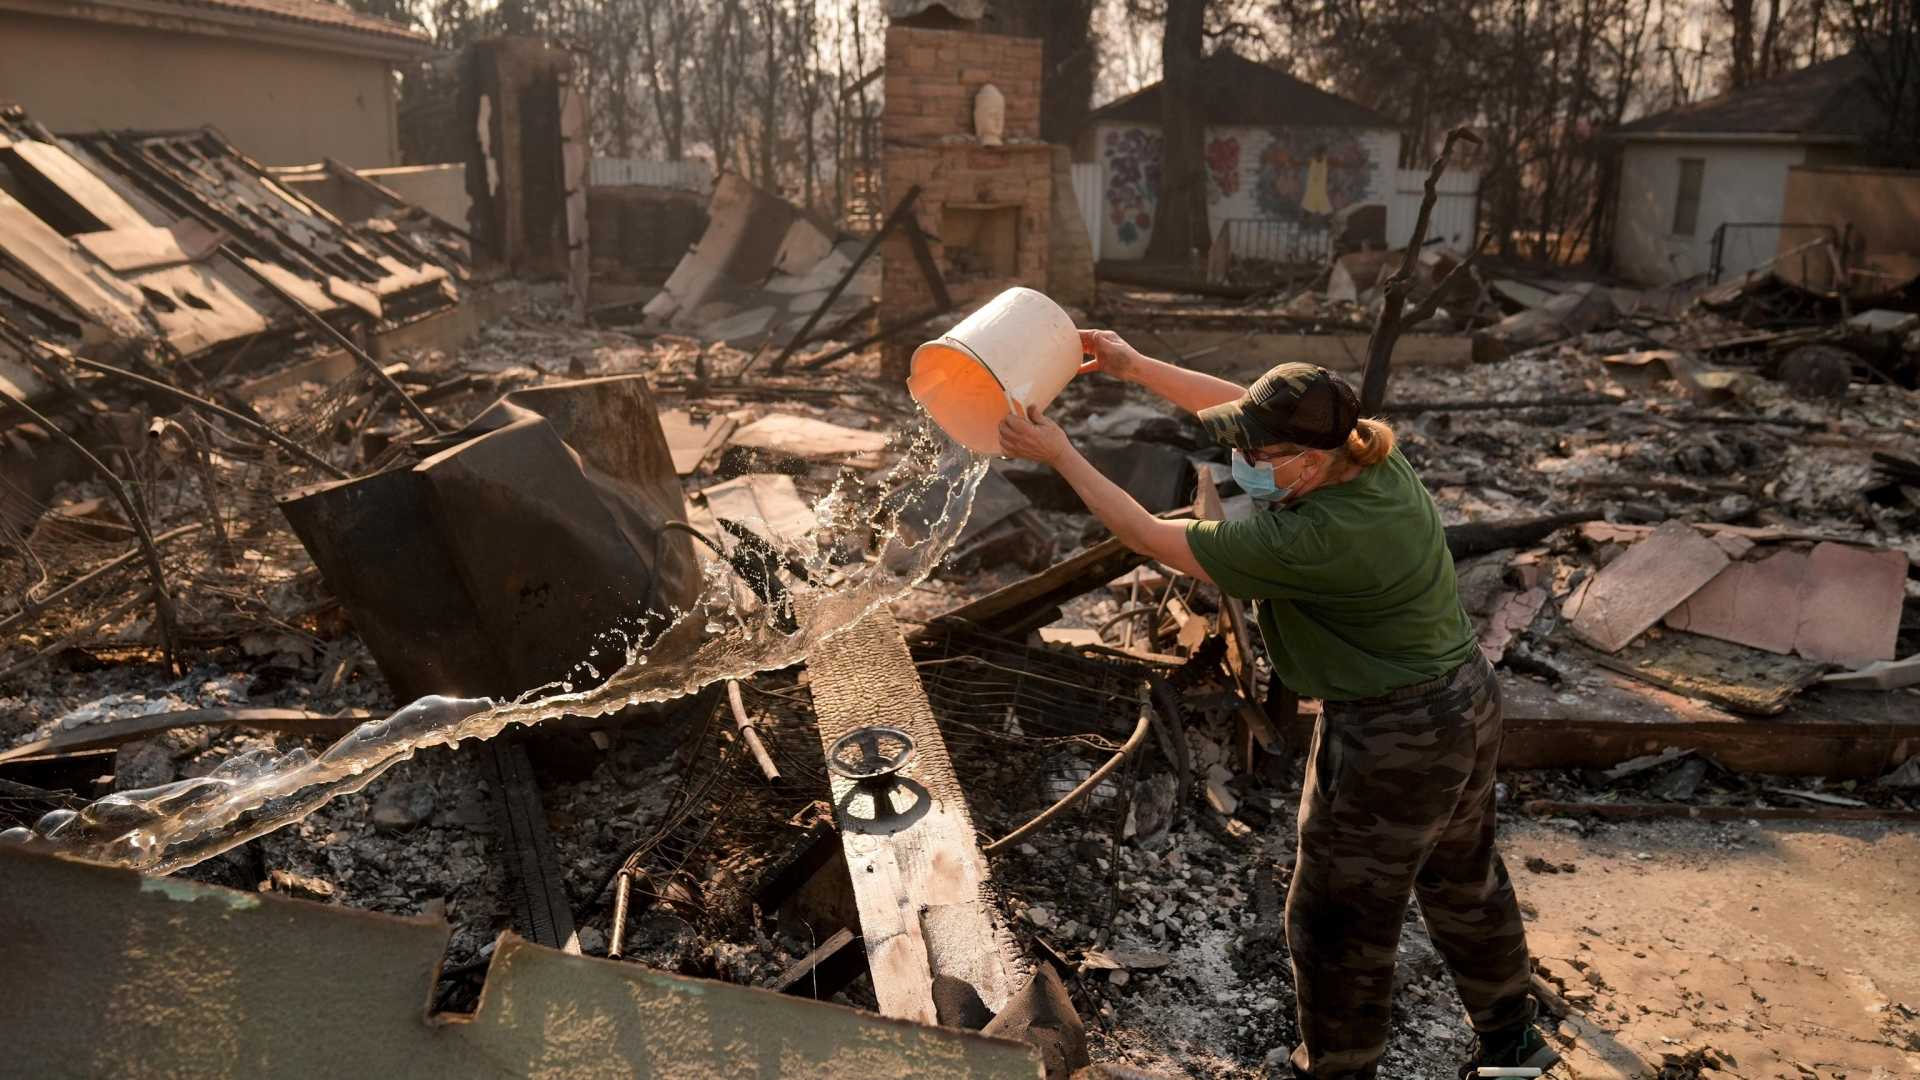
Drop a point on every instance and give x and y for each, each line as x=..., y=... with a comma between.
x=1019, y=349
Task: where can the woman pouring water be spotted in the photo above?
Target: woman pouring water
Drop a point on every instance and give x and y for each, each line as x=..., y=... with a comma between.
x=1348, y=562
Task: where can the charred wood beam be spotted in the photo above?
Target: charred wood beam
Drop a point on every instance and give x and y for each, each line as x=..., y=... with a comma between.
x=826, y=970
x=542, y=912
x=900, y=211
x=168, y=618
x=1642, y=811
x=1387, y=327
x=1480, y=537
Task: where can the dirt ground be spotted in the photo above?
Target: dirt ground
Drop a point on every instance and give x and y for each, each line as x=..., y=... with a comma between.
x=1776, y=949
x=1686, y=950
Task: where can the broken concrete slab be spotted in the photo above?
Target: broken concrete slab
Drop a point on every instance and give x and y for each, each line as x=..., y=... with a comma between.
x=1753, y=603
x=1851, y=608
x=760, y=271
x=1635, y=590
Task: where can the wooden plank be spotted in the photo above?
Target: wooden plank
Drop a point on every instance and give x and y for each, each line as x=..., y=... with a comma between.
x=919, y=878
x=1742, y=679
x=826, y=970
x=1635, y=590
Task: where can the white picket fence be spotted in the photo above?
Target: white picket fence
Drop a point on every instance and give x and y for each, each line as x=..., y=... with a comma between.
x=687, y=175
x=1455, y=210
x=1087, y=191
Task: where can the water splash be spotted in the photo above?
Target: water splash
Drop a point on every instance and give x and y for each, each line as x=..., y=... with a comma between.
x=873, y=542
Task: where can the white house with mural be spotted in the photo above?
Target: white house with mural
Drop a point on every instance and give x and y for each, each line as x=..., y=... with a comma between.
x=1290, y=167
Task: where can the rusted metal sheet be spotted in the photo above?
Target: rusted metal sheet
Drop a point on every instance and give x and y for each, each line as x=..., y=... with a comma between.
x=157, y=977
x=499, y=564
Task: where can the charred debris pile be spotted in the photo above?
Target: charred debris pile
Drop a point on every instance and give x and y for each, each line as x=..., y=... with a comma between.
x=252, y=499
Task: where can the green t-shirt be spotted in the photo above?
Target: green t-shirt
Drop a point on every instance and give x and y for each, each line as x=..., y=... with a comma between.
x=1354, y=581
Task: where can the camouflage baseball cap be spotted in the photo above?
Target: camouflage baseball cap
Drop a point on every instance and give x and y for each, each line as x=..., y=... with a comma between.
x=1302, y=404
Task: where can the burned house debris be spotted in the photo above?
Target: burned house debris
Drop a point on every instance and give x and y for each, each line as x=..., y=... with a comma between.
x=541, y=628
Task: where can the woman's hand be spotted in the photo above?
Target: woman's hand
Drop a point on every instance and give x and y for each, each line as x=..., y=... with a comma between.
x=1109, y=353
x=1033, y=437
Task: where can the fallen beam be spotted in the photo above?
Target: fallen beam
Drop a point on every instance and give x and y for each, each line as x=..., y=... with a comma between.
x=1035, y=601
x=826, y=970
x=1860, y=734
x=537, y=892
x=919, y=877
x=1645, y=811
x=1481, y=537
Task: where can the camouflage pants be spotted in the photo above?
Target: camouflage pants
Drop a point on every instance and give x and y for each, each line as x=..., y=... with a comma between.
x=1399, y=800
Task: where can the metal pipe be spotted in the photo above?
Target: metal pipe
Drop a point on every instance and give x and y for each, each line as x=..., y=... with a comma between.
x=1086, y=787
x=162, y=599
x=617, y=938
x=340, y=339
x=199, y=402
x=747, y=732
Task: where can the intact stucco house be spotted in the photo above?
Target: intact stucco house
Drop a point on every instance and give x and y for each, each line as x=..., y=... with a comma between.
x=1287, y=163
x=1688, y=172
x=287, y=81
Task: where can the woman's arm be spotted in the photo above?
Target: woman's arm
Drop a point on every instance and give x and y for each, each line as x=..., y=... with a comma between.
x=1037, y=438
x=1191, y=390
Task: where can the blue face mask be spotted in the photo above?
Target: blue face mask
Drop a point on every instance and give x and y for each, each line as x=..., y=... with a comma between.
x=1257, y=480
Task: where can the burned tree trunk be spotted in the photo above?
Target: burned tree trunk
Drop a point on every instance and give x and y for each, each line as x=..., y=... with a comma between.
x=1386, y=328
x=1180, y=220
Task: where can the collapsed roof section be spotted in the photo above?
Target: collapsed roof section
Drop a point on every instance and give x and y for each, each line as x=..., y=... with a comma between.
x=178, y=244
x=761, y=270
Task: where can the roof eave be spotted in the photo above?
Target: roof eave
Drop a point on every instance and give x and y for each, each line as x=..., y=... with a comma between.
x=1778, y=138
x=158, y=15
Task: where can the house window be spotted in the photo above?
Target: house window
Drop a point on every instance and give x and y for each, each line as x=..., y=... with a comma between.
x=1686, y=202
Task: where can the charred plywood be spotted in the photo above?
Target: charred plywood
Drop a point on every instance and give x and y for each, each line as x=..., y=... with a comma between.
x=114, y=241
x=919, y=877
x=155, y=977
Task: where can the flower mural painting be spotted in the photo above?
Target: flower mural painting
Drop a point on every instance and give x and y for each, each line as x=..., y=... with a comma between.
x=1223, y=164
x=1133, y=182
x=1308, y=174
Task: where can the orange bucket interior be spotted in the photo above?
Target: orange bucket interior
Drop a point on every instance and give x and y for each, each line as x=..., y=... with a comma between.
x=961, y=395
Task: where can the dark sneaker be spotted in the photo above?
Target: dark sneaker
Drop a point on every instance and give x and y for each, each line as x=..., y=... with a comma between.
x=1520, y=1047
